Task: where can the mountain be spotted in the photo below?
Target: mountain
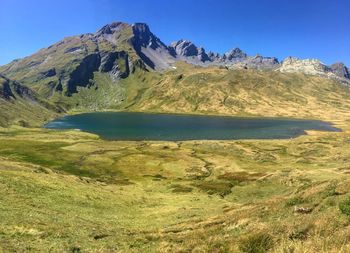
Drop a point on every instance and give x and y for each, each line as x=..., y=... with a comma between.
x=186, y=50
x=340, y=70
x=116, y=49
x=234, y=55
x=127, y=67
x=315, y=67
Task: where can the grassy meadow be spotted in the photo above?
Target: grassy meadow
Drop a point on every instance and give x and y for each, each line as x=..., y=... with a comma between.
x=69, y=191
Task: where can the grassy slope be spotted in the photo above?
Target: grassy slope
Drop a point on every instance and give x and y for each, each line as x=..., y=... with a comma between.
x=198, y=90
x=21, y=111
x=237, y=92
x=68, y=190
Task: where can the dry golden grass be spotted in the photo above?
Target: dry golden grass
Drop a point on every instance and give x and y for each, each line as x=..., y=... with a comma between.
x=70, y=191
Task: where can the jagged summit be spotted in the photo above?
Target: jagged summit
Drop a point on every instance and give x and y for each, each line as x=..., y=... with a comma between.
x=336, y=71
x=143, y=37
x=186, y=49
x=340, y=70
x=234, y=54
x=111, y=28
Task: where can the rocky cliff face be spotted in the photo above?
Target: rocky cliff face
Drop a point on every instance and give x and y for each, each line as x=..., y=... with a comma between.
x=5, y=89
x=150, y=48
x=186, y=50
x=10, y=90
x=340, y=70
x=235, y=55
x=254, y=62
x=21, y=105
x=315, y=67
x=307, y=66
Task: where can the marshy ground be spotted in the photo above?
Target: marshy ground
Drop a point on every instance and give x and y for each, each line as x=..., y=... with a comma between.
x=71, y=191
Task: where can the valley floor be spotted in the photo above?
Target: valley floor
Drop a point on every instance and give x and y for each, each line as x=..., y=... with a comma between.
x=68, y=191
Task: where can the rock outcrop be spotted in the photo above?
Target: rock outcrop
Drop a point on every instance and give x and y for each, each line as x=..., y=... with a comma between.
x=12, y=90
x=186, y=50
x=314, y=67
x=5, y=89
x=116, y=63
x=307, y=66
x=152, y=51
x=235, y=55
x=255, y=62
x=340, y=70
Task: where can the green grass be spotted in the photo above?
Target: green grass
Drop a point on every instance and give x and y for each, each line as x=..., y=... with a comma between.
x=256, y=243
x=70, y=191
x=344, y=206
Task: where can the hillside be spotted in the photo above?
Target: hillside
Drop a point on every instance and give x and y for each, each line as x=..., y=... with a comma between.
x=22, y=106
x=236, y=92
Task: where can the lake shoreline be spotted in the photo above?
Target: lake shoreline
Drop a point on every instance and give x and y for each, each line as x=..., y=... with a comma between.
x=219, y=128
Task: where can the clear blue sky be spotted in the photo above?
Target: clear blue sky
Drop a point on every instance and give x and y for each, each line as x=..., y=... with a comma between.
x=302, y=28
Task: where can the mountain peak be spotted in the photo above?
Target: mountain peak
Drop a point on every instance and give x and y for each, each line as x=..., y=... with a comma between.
x=141, y=27
x=314, y=67
x=112, y=28
x=235, y=53
x=340, y=70
x=185, y=48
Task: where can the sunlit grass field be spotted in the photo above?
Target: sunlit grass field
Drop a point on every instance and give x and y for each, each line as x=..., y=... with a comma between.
x=68, y=191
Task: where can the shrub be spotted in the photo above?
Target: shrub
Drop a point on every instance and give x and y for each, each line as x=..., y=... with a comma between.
x=301, y=233
x=256, y=243
x=331, y=190
x=215, y=187
x=344, y=206
x=294, y=201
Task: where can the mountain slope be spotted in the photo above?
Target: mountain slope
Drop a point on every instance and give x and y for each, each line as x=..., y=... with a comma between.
x=115, y=49
x=20, y=105
x=213, y=90
x=127, y=67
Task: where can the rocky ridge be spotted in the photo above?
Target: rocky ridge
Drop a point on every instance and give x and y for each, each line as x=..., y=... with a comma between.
x=21, y=105
x=11, y=90
x=119, y=49
x=235, y=58
x=315, y=67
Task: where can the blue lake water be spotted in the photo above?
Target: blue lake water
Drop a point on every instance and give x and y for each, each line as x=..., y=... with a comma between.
x=145, y=126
